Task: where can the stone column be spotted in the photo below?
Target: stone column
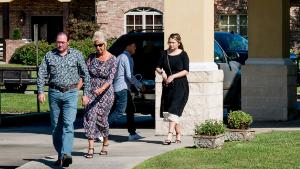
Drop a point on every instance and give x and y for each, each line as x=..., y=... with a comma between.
x=5, y=14
x=269, y=77
x=194, y=21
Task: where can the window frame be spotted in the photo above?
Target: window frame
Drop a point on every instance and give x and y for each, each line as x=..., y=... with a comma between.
x=143, y=12
x=237, y=24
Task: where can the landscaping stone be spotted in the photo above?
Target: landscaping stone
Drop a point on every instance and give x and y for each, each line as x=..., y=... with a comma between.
x=239, y=135
x=202, y=141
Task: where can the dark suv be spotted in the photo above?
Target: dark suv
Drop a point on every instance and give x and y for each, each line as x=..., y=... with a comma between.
x=233, y=44
x=149, y=48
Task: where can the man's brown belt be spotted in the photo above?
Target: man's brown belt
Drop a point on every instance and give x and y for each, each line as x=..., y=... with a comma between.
x=63, y=89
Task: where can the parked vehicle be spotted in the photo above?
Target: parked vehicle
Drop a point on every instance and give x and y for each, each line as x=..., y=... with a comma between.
x=233, y=44
x=232, y=78
x=295, y=59
x=16, y=79
x=149, y=49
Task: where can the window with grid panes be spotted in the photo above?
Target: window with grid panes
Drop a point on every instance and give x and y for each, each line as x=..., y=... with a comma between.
x=147, y=19
x=236, y=23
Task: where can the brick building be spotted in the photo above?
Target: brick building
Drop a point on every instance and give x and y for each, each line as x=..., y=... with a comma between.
x=115, y=17
x=50, y=15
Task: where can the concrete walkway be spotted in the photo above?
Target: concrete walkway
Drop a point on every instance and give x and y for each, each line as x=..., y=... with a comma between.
x=125, y=155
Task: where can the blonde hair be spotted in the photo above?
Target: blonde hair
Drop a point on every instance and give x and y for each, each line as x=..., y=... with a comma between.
x=99, y=37
x=177, y=37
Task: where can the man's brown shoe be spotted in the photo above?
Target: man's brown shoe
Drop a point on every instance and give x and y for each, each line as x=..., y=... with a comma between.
x=58, y=163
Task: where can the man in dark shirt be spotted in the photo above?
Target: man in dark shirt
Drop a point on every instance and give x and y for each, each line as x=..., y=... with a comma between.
x=64, y=66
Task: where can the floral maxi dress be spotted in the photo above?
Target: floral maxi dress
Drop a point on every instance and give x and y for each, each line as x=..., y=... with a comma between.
x=97, y=111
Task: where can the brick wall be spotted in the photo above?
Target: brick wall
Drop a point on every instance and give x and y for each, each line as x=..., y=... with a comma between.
x=43, y=8
x=110, y=13
x=9, y=48
x=229, y=7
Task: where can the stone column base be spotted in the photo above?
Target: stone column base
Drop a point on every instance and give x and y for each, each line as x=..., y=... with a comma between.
x=269, y=89
x=205, y=101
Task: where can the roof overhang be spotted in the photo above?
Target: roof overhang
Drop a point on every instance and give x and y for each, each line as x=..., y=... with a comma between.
x=295, y=2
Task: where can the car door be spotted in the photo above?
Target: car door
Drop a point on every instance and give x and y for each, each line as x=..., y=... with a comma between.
x=232, y=77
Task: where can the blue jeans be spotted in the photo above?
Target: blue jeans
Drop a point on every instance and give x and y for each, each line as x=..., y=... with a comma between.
x=63, y=110
x=123, y=103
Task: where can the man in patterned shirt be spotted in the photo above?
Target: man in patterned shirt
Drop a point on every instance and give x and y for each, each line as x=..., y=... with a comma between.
x=64, y=66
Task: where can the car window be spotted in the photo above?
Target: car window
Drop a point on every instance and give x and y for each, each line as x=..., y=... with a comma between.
x=237, y=42
x=219, y=54
x=232, y=42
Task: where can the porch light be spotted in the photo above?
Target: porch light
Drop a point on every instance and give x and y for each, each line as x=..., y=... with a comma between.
x=64, y=0
x=5, y=1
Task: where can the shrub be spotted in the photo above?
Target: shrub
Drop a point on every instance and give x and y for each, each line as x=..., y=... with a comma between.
x=239, y=120
x=210, y=128
x=85, y=46
x=79, y=29
x=27, y=54
x=17, y=34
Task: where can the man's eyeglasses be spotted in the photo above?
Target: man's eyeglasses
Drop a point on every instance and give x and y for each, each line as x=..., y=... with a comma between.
x=98, y=45
x=60, y=42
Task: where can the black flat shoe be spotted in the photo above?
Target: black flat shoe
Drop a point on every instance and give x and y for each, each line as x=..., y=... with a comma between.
x=66, y=161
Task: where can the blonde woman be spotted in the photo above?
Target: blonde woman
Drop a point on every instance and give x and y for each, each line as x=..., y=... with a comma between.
x=102, y=68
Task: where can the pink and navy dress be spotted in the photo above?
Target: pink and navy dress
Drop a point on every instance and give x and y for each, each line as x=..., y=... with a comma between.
x=97, y=111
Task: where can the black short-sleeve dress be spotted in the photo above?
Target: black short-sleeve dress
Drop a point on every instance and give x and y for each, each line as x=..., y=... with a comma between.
x=175, y=95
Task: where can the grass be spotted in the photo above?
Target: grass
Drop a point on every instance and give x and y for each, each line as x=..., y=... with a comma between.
x=276, y=150
x=34, y=88
x=22, y=103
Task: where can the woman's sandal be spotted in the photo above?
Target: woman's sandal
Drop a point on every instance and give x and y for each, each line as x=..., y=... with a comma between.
x=89, y=154
x=103, y=151
x=178, y=140
x=167, y=141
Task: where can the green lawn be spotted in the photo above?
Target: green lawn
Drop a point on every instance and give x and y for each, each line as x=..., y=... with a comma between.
x=276, y=150
x=22, y=103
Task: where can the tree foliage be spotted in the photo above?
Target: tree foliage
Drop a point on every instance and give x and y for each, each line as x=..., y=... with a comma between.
x=79, y=29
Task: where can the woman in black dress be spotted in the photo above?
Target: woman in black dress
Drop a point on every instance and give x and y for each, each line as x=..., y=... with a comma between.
x=174, y=66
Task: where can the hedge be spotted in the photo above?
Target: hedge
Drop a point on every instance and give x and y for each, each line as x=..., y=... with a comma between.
x=26, y=54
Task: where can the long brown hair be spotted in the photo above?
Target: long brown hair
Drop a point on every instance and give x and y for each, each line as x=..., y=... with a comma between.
x=177, y=37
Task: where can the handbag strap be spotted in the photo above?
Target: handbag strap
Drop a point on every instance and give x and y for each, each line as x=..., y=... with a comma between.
x=169, y=63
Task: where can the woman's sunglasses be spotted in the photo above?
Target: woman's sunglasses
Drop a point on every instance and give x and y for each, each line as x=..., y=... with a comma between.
x=98, y=45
